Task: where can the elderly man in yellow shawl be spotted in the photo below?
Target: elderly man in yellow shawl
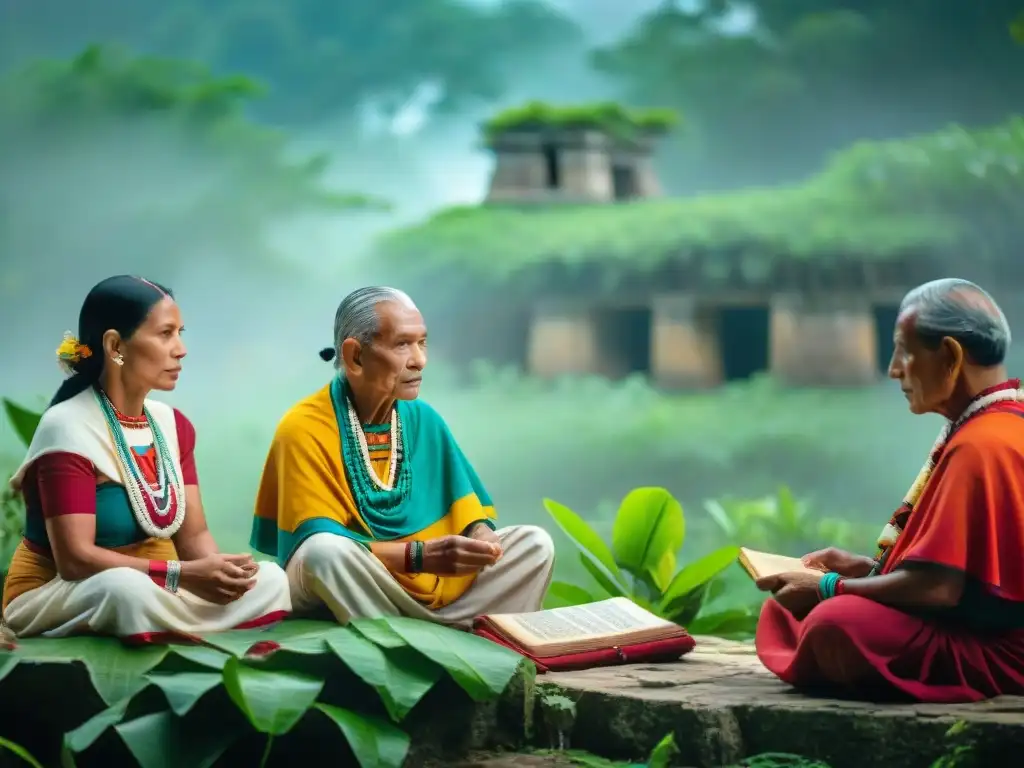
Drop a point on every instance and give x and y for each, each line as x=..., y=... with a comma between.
x=368, y=501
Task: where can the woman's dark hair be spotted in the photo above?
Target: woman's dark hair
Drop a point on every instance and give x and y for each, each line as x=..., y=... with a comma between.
x=120, y=303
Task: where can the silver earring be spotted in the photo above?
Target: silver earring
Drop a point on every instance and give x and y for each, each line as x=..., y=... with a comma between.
x=118, y=359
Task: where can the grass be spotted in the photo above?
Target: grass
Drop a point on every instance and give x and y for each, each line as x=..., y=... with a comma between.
x=874, y=201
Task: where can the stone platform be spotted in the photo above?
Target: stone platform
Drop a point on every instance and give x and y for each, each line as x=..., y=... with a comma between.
x=724, y=706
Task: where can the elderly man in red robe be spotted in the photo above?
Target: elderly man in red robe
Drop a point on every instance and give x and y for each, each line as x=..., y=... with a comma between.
x=938, y=614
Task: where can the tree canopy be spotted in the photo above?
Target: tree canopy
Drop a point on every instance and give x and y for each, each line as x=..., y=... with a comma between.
x=765, y=105
x=149, y=158
x=319, y=58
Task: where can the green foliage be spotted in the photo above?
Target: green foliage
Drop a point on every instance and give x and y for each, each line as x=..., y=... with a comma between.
x=641, y=564
x=19, y=751
x=663, y=753
x=1017, y=28
x=323, y=59
x=204, y=178
x=12, y=508
x=611, y=118
x=782, y=524
x=873, y=201
x=23, y=421
x=498, y=246
x=152, y=694
x=961, y=748
x=874, y=64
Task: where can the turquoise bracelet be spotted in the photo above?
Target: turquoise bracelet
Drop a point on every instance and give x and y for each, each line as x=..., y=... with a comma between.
x=417, y=557
x=827, y=585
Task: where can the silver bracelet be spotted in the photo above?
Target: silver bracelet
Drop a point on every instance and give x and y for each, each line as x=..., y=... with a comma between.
x=173, y=576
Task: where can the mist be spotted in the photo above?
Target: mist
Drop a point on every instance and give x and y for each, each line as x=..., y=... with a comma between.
x=258, y=295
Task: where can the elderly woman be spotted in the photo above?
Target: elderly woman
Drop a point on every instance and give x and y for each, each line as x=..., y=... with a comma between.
x=108, y=478
x=370, y=503
x=938, y=614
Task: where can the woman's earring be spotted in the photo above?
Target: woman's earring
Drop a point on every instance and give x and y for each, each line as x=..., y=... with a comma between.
x=118, y=359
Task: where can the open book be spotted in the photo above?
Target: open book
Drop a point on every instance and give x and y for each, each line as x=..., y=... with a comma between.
x=761, y=564
x=605, y=625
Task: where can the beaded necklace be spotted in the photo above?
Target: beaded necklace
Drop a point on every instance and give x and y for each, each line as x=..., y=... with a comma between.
x=159, y=508
x=892, y=530
x=371, y=493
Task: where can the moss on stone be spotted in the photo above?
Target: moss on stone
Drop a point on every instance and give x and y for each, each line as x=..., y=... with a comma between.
x=875, y=201
x=609, y=117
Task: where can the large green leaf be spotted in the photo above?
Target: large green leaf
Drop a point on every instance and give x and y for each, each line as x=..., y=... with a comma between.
x=561, y=594
x=162, y=740
x=482, y=668
x=24, y=421
x=85, y=735
x=400, y=676
x=272, y=701
x=117, y=671
x=375, y=743
x=684, y=610
x=184, y=689
x=304, y=636
x=201, y=655
x=649, y=524
x=8, y=661
x=594, y=553
x=698, y=573
x=664, y=571
x=379, y=631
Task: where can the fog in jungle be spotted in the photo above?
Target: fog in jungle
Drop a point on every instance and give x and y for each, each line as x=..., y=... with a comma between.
x=69, y=210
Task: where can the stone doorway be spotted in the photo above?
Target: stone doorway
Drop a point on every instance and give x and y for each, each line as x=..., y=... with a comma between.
x=624, y=335
x=744, y=340
x=885, y=323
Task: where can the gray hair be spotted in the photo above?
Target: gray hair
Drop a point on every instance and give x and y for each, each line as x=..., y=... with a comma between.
x=960, y=310
x=357, y=318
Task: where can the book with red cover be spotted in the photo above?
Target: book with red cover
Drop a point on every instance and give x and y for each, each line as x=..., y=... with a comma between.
x=607, y=632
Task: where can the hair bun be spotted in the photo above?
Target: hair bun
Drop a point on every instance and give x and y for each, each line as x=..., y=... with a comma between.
x=327, y=354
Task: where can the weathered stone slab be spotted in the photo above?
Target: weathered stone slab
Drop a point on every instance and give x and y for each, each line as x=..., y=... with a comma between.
x=724, y=706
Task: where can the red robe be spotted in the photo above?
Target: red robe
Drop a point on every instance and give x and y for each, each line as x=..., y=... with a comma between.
x=970, y=518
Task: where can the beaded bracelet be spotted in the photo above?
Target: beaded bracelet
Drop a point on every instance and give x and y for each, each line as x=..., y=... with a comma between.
x=173, y=576
x=166, y=574
x=414, y=557
x=829, y=586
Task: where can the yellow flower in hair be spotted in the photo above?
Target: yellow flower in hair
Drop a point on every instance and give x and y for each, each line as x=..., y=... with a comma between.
x=71, y=352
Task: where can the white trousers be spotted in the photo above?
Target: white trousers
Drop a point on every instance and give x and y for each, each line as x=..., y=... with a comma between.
x=125, y=602
x=336, y=572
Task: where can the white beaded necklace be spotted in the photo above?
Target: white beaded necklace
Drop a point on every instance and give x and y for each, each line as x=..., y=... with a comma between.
x=364, y=449
x=164, y=513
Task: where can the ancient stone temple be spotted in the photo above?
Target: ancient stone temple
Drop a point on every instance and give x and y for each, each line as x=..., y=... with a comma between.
x=575, y=264
x=582, y=155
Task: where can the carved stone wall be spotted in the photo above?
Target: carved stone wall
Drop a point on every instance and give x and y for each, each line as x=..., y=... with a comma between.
x=685, y=351
x=824, y=343
x=563, y=341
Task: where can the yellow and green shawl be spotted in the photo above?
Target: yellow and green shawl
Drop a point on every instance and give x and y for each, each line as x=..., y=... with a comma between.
x=306, y=488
